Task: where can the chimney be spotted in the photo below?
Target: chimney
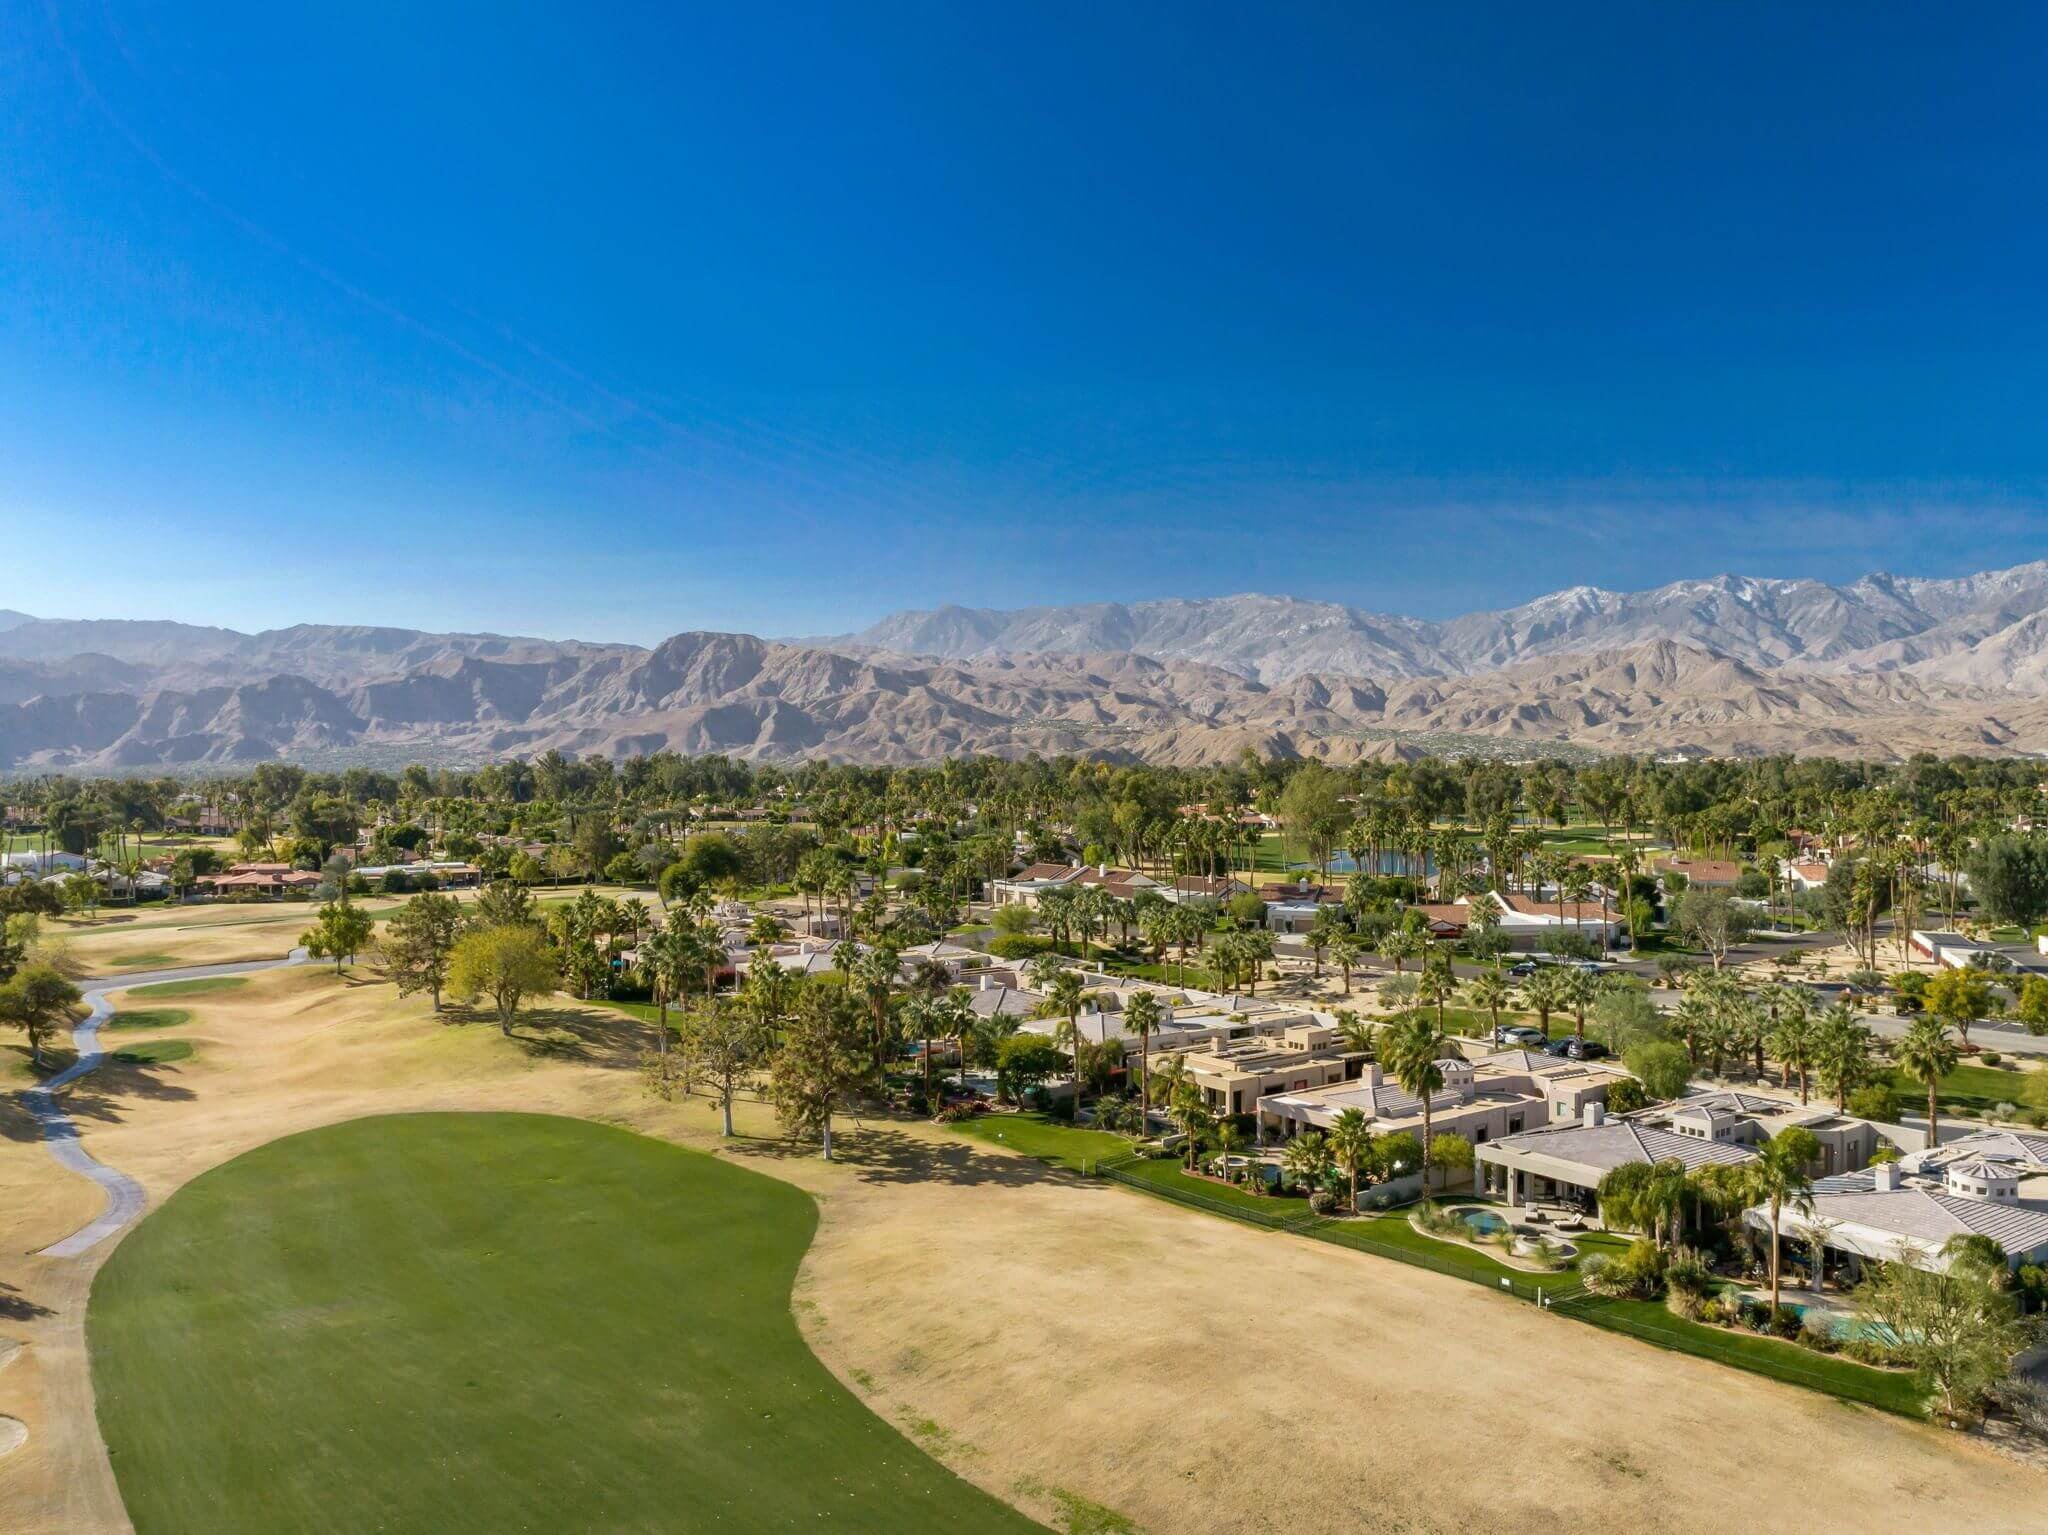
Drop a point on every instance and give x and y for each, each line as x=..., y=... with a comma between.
x=984, y=980
x=1596, y=1114
x=1102, y=871
x=1887, y=1177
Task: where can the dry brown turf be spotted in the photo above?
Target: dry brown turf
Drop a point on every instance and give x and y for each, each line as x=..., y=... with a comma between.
x=1034, y=1331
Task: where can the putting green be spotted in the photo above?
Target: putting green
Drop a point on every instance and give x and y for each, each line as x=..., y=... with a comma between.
x=488, y=1322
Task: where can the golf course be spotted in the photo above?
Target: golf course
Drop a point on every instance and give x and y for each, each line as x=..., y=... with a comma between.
x=487, y=1322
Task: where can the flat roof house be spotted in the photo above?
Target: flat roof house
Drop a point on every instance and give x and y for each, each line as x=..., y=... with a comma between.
x=1498, y=1095
x=1234, y=1076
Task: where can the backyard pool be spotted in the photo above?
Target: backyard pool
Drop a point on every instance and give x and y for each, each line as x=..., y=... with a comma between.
x=1482, y=1223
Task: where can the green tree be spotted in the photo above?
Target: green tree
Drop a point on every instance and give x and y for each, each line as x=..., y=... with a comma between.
x=1351, y=1146
x=2031, y=1006
x=1842, y=1053
x=1492, y=992
x=38, y=1000
x=1410, y=1049
x=1143, y=1014
x=721, y=1046
x=822, y=1063
x=1958, y=1322
x=1779, y=1177
x=1927, y=1054
x=1189, y=1110
x=1025, y=1060
x=1307, y=1159
x=1958, y=998
x=2009, y=876
x=339, y=933
x=1664, y=1069
x=417, y=942
x=508, y=964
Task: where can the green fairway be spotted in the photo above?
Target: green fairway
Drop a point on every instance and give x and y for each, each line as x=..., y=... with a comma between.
x=164, y=990
x=155, y=1052
x=487, y=1322
x=149, y=1018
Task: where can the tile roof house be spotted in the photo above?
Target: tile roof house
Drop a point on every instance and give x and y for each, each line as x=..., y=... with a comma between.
x=1994, y=1184
x=1712, y=872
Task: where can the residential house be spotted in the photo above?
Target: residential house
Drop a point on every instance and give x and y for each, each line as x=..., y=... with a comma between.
x=1711, y=873
x=1993, y=1183
x=1202, y=889
x=1565, y=1162
x=1526, y=921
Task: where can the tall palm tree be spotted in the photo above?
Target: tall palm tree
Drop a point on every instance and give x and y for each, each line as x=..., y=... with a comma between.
x=1792, y=1034
x=1400, y=944
x=1927, y=1054
x=1492, y=992
x=1544, y=992
x=1307, y=1158
x=1345, y=953
x=1142, y=1014
x=1436, y=986
x=1351, y=1144
x=1577, y=989
x=1063, y=998
x=1410, y=1049
x=1779, y=1177
x=1842, y=1053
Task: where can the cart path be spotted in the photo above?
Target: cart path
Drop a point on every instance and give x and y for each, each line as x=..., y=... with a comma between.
x=125, y=1197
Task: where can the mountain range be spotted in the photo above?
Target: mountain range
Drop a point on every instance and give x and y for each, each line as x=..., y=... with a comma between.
x=1879, y=667
x=1988, y=630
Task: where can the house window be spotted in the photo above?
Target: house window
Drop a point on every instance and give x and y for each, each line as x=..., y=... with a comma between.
x=1514, y=1123
x=1479, y=1135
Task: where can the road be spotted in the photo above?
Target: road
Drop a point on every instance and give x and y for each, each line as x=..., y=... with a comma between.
x=125, y=1197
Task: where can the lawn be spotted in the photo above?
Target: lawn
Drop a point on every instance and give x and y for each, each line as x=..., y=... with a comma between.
x=149, y=1018
x=1047, y=1139
x=203, y=986
x=1394, y=1230
x=154, y=1052
x=1899, y=1391
x=487, y=1322
x=1978, y=1089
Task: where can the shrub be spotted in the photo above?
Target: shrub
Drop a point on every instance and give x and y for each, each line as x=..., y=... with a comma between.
x=1637, y=1274
x=1873, y=1102
x=1817, y=1332
x=1865, y=1349
x=1019, y=945
x=1689, y=1283
x=1990, y=1057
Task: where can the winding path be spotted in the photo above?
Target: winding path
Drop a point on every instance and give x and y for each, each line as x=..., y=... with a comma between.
x=125, y=1197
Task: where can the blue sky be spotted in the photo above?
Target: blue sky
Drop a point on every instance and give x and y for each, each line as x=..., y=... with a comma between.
x=620, y=320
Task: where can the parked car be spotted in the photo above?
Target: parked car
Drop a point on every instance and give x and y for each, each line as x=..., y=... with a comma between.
x=1572, y=1048
x=1512, y=1036
x=1522, y=969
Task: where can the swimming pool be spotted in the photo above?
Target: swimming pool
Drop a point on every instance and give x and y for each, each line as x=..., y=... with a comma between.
x=1482, y=1223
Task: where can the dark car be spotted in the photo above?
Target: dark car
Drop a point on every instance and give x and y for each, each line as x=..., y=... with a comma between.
x=1562, y=1045
x=1525, y=968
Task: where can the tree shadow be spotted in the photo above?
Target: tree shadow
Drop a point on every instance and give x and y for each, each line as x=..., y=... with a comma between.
x=17, y=1307
x=612, y=1042
x=878, y=1152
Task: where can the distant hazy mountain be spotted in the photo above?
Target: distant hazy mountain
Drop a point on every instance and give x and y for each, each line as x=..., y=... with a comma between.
x=1971, y=629
x=1880, y=667
x=336, y=655
x=9, y=618
x=760, y=699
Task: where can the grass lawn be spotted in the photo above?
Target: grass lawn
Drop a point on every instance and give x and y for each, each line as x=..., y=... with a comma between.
x=487, y=1322
x=1978, y=1089
x=1899, y=1391
x=149, y=1018
x=201, y=987
x=155, y=1052
x=1046, y=1138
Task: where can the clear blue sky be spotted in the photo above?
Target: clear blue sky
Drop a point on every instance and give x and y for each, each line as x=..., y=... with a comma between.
x=618, y=320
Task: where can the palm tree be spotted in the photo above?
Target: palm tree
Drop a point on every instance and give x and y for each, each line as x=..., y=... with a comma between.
x=1792, y=1035
x=1400, y=944
x=1842, y=1053
x=1327, y=926
x=1779, y=1177
x=1063, y=998
x=1436, y=985
x=1142, y=1014
x=1230, y=1141
x=1492, y=992
x=1410, y=1049
x=1354, y=1031
x=1345, y=953
x=1190, y=1111
x=1544, y=992
x=1307, y=1158
x=1351, y=1144
x=1577, y=988
x=1927, y=1054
